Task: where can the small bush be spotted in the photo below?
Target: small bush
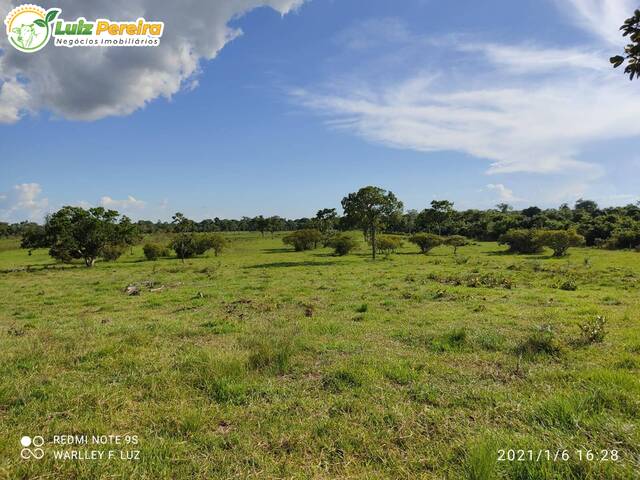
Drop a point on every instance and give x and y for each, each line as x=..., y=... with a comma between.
x=521, y=241
x=559, y=240
x=301, y=240
x=388, y=244
x=593, y=331
x=153, y=251
x=569, y=285
x=456, y=241
x=111, y=253
x=426, y=241
x=541, y=342
x=342, y=244
x=218, y=243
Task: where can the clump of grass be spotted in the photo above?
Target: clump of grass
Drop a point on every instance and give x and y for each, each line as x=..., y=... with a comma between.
x=341, y=379
x=593, y=331
x=362, y=308
x=481, y=461
x=490, y=341
x=456, y=339
x=270, y=353
x=542, y=341
x=401, y=373
x=425, y=394
x=568, y=285
x=222, y=379
x=559, y=412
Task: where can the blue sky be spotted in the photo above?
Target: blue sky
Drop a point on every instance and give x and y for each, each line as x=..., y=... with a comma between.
x=475, y=102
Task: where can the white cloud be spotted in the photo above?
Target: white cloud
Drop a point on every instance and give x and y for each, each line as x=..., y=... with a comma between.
x=504, y=194
x=521, y=107
x=602, y=18
x=23, y=201
x=92, y=83
x=129, y=203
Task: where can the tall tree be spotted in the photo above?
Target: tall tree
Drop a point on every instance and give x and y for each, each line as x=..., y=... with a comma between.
x=631, y=29
x=369, y=208
x=76, y=233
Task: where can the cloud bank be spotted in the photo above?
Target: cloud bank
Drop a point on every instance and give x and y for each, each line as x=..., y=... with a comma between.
x=522, y=107
x=93, y=83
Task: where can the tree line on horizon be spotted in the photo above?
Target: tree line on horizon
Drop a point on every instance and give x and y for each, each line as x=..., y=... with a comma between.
x=620, y=226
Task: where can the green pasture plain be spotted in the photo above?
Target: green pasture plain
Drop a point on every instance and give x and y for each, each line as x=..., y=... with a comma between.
x=269, y=363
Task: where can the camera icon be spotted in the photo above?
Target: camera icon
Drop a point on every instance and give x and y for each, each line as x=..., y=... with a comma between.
x=36, y=452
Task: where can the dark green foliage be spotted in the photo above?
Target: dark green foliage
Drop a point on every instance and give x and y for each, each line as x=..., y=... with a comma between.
x=388, y=244
x=426, y=241
x=342, y=244
x=75, y=233
x=188, y=245
x=153, y=251
x=301, y=240
x=110, y=252
x=370, y=208
x=559, y=240
x=521, y=241
x=541, y=342
x=631, y=29
x=456, y=241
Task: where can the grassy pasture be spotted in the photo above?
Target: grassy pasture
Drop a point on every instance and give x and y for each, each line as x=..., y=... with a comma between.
x=270, y=363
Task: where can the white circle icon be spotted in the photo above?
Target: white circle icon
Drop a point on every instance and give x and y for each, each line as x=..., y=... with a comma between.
x=25, y=441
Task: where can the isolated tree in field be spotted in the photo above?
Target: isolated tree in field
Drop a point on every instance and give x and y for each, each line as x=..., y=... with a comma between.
x=560, y=240
x=456, y=241
x=388, y=244
x=369, y=208
x=182, y=244
x=75, y=233
x=631, y=29
x=426, y=241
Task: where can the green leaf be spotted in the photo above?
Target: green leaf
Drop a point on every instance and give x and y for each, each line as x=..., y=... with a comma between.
x=51, y=15
x=39, y=22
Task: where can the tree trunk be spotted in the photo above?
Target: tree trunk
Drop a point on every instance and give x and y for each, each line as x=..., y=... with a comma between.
x=373, y=242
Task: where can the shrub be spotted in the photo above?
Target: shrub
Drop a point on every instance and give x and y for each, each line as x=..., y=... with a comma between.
x=521, y=241
x=153, y=251
x=187, y=245
x=388, y=244
x=216, y=242
x=111, y=253
x=624, y=239
x=426, y=241
x=342, y=244
x=559, y=240
x=456, y=241
x=593, y=331
x=569, y=285
x=541, y=342
x=301, y=240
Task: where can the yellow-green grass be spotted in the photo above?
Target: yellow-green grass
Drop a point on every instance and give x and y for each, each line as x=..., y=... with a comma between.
x=269, y=363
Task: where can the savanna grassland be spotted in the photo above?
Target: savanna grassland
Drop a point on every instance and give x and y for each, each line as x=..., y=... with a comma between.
x=269, y=363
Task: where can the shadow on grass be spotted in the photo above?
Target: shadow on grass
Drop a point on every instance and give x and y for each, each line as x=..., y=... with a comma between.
x=277, y=250
x=293, y=264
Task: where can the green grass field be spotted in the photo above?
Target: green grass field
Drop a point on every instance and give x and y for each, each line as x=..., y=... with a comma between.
x=269, y=363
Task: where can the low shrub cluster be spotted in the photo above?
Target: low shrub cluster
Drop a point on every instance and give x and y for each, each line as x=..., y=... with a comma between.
x=342, y=244
x=301, y=240
x=533, y=241
x=388, y=244
x=188, y=245
x=426, y=241
x=488, y=280
x=153, y=251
